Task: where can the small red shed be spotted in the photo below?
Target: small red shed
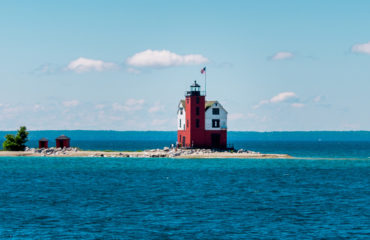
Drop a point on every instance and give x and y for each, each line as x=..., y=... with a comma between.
x=43, y=143
x=62, y=142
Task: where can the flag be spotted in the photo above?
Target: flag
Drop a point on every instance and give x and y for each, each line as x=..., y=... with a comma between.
x=203, y=70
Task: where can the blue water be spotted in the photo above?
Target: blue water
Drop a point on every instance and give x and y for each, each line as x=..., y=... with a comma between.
x=322, y=194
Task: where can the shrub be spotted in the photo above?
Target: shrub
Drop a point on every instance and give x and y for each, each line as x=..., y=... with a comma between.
x=17, y=142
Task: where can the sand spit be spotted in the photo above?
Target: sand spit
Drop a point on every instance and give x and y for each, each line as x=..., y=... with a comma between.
x=154, y=153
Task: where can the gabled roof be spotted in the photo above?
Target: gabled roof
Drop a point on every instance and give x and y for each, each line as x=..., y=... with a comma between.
x=209, y=104
x=183, y=103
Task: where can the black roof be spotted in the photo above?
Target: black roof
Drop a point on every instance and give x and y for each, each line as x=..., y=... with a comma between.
x=62, y=137
x=43, y=140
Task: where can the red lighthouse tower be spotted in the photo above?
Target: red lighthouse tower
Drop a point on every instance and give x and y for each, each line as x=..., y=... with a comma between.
x=201, y=124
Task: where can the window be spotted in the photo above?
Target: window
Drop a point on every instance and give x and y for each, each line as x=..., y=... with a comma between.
x=215, y=111
x=197, y=123
x=187, y=123
x=215, y=123
x=187, y=100
x=180, y=124
x=198, y=100
x=181, y=111
x=197, y=111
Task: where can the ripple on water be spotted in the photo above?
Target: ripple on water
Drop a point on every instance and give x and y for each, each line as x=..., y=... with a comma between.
x=69, y=198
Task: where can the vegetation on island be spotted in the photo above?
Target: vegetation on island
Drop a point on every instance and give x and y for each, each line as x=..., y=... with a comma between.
x=16, y=142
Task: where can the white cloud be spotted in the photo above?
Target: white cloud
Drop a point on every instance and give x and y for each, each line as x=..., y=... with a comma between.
x=281, y=97
x=118, y=107
x=81, y=65
x=297, y=105
x=38, y=107
x=263, y=102
x=361, y=48
x=163, y=58
x=317, y=99
x=282, y=55
x=46, y=69
x=133, y=70
x=99, y=106
x=72, y=103
x=130, y=105
x=157, y=107
x=12, y=109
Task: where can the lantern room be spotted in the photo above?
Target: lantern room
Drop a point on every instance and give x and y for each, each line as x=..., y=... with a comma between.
x=194, y=90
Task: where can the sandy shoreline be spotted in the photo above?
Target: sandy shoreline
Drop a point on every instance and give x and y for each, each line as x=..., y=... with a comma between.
x=145, y=154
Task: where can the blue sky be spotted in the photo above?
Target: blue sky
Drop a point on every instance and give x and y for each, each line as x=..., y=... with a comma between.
x=124, y=65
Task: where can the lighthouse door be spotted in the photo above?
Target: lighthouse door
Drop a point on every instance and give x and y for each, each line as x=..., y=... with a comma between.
x=183, y=141
x=215, y=140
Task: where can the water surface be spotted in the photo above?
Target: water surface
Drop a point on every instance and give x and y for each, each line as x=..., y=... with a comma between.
x=111, y=198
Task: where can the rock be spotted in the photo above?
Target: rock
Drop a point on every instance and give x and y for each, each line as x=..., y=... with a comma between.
x=166, y=149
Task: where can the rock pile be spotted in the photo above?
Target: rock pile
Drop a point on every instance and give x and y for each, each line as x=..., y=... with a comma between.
x=179, y=152
x=51, y=151
x=166, y=152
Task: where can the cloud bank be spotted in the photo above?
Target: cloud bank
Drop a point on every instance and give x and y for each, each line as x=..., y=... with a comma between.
x=164, y=58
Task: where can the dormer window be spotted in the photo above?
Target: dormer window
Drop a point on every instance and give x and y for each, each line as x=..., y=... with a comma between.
x=215, y=111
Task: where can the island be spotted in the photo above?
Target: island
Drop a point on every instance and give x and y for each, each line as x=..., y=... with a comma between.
x=166, y=152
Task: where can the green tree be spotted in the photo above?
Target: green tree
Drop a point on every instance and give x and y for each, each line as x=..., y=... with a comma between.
x=17, y=142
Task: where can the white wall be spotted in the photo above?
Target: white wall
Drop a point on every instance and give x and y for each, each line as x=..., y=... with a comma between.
x=181, y=117
x=222, y=117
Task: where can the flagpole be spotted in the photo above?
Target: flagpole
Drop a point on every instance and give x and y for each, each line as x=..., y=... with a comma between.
x=205, y=83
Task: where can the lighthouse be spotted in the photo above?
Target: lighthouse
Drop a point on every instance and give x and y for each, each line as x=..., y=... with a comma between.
x=201, y=123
